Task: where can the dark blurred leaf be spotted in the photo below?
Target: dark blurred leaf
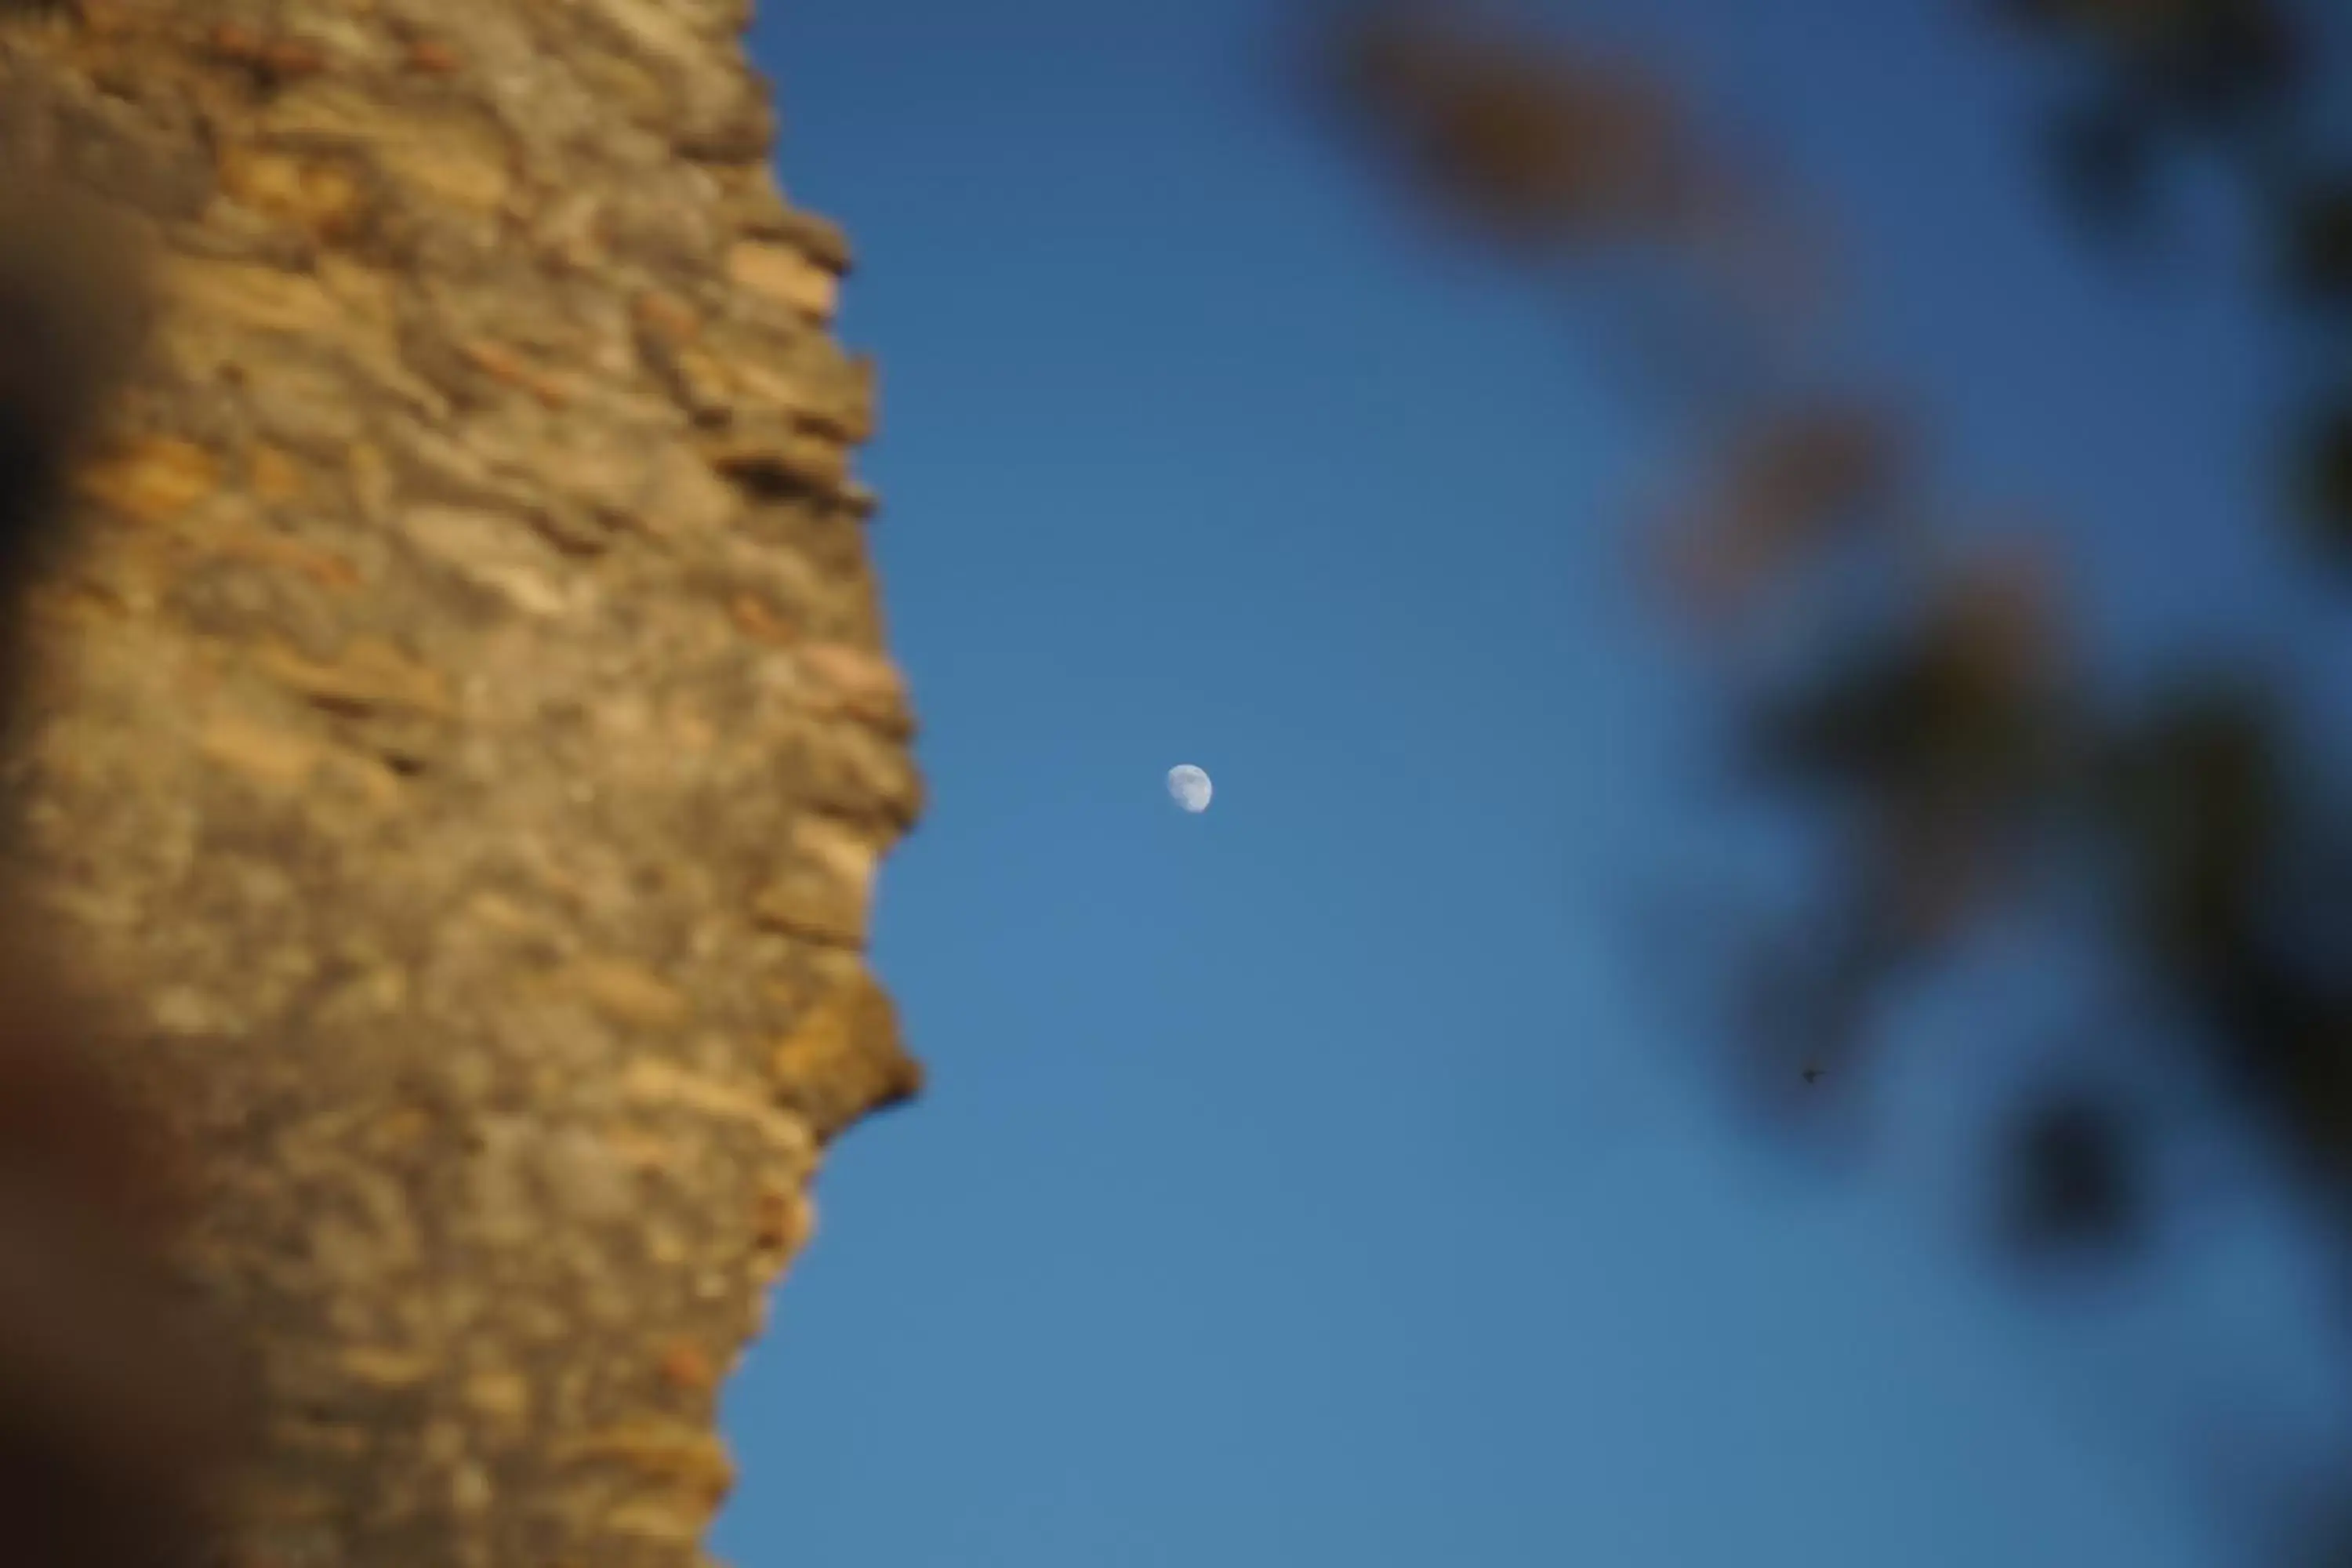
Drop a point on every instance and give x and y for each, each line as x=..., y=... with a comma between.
x=1956, y=708
x=1788, y=486
x=2102, y=156
x=2027, y=13
x=1532, y=145
x=2285, y=1040
x=2214, y=64
x=2071, y=1183
x=2318, y=262
x=2223, y=62
x=2198, y=797
x=2325, y=465
x=2327, y=1545
x=71, y=314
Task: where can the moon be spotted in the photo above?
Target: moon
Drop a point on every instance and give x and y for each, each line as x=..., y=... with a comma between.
x=1190, y=787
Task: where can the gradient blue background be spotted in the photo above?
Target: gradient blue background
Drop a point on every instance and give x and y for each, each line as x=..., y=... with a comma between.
x=1312, y=1182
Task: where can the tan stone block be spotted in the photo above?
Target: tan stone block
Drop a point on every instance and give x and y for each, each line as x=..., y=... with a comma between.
x=371, y=674
x=323, y=567
x=755, y=620
x=687, y=1459
x=839, y=848
x=686, y=1365
x=630, y=92
x=653, y=1083
x=506, y=917
x=441, y=158
x=450, y=170
x=371, y=294
x=275, y=477
x=844, y=1059
x=785, y=275
x=703, y=382
x=491, y=550
x=814, y=906
x=404, y=1128
x=777, y=392
x=629, y=993
x=823, y=1038
x=430, y=57
x=362, y=785
x=261, y=297
x=686, y=496
x=691, y=733
x=780, y=451
x=370, y=472
x=471, y=1490
x=320, y=196
x=665, y=315
x=664, y=1248
x=660, y=1521
x=107, y=19
x=277, y=57
x=384, y=1367
x=856, y=683
x=655, y=29
x=258, y=753
x=498, y=1393
x=783, y=1220
x=508, y=368
x=154, y=480
x=644, y=1152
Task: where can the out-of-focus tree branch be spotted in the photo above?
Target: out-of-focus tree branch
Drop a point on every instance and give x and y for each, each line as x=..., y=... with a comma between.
x=1967, y=765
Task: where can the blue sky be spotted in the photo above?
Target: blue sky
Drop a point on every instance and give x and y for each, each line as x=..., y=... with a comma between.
x=1310, y=1180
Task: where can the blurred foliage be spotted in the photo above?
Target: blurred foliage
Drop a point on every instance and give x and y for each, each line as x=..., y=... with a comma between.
x=113, y=1402
x=1535, y=148
x=1965, y=763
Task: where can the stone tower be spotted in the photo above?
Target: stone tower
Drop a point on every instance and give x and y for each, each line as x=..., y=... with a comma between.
x=462, y=741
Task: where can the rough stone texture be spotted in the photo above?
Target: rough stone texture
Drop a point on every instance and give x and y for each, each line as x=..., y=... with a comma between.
x=464, y=741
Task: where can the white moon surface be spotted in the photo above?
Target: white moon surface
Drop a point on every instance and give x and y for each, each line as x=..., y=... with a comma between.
x=1190, y=787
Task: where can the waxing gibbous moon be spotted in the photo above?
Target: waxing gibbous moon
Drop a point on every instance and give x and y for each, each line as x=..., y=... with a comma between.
x=1188, y=786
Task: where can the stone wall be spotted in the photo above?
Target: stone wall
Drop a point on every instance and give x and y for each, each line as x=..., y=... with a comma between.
x=463, y=742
